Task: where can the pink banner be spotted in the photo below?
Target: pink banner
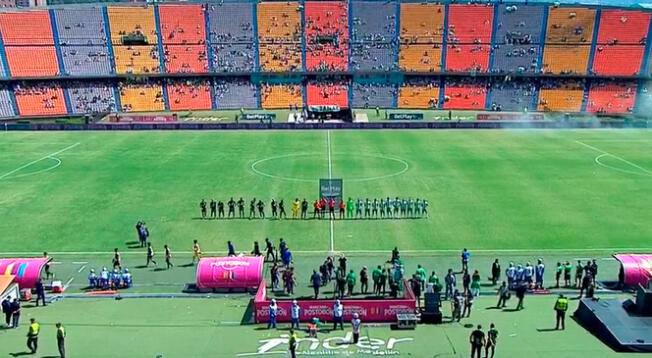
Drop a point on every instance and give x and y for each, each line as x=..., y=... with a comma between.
x=230, y=272
x=380, y=310
x=637, y=267
x=26, y=271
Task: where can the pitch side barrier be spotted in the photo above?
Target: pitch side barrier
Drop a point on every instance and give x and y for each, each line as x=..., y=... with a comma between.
x=306, y=126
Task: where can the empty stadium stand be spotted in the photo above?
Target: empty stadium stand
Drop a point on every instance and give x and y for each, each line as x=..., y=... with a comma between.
x=561, y=95
x=91, y=97
x=330, y=92
x=469, y=38
x=611, y=97
x=565, y=59
x=141, y=97
x=421, y=37
x=327, y=35
x=515, y=95
x=465, y=93
x=6, y=105
x=32, y=61
x=40, y=99
x=518, y=38
x=189, y=94
x=281, y=95
x=419, y=93
x=279, y=36
x=81, y=26
x=382, y=46
x=138, y=23
x=235, y=93
x=373, y=92
x=570, y=25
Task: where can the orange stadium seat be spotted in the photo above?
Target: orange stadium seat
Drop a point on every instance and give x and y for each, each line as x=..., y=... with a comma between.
x=420, y=58
x=281, y=95
x=470, y=24
x=611, y=97
x=189, y=95
x=280, y=58
x=418, y=96
x=327, y=18
x=327, y=94
x=467, y=58
x=279, y=21
x=622, y=27
x=185, y=58
x=32, y=61
x=618, y=60
x=422, y=23
x=565, y=59
x=136, y=59
x=26, y=28
x=141, y=97
x=125, y=20
x=40, y=100
x=465, y=96
x=565, y=98
x=570, y=25
x=182, y=24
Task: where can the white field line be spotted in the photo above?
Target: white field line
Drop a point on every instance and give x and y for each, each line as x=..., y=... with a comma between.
x=604, y=153
x=38, y=160
x=81, y=268
x=65, y=287
x=330, y=176
x=388, y=251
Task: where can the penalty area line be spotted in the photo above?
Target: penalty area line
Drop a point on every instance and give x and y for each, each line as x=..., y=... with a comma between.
x=38, y=160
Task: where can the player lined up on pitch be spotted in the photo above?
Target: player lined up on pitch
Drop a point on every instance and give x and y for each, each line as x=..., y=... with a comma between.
x=322, y=208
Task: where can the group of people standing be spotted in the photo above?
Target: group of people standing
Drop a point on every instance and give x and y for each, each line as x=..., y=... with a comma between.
x=322, y=208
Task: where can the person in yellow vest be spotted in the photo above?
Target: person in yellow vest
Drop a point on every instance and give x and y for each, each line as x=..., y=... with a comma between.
x=32, y=335
x=61, y=340
x=292, y=342
x=561, y=306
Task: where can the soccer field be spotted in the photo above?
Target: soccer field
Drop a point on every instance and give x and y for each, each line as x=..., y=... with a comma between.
x=513, y=195
x=488, y=190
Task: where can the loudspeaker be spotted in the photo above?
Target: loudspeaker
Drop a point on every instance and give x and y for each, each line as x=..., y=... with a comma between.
x=431, y=317
x=431, y=302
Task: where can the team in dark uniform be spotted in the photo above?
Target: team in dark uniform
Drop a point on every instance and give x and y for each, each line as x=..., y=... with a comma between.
x=368, y=208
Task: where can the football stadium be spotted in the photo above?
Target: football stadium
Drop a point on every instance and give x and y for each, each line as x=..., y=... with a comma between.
x=325, y=178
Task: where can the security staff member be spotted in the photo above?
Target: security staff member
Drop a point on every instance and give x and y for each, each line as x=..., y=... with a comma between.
x=32, y=335
x=61, y=340
x=561, y=306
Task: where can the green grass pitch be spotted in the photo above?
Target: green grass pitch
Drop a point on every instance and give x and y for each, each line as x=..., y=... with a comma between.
x=518, y=194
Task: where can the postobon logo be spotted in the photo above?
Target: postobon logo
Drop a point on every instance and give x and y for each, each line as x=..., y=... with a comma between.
x=333, y=346
x=230, y=265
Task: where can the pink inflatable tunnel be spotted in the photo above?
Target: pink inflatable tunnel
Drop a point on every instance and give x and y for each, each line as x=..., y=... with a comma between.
x=26, y=271
x=230, y=272
x=637, y=268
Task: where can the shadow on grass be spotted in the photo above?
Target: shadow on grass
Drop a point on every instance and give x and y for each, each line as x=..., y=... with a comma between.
x=187, y=265
x=511, y=310
x=159, y=269
x=21, y=354
x=547, y=329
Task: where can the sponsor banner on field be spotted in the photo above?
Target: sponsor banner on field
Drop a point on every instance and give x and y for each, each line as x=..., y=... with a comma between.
x=26, y=271
x=163, y=118
x=509, y=117
x=258, y=117
x=332, y=346
x=406, y=116
x=637, y=268
x=381, y=310
x=230, y=272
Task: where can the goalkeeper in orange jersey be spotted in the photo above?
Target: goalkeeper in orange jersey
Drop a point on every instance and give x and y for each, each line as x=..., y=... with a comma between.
x=196, y=251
